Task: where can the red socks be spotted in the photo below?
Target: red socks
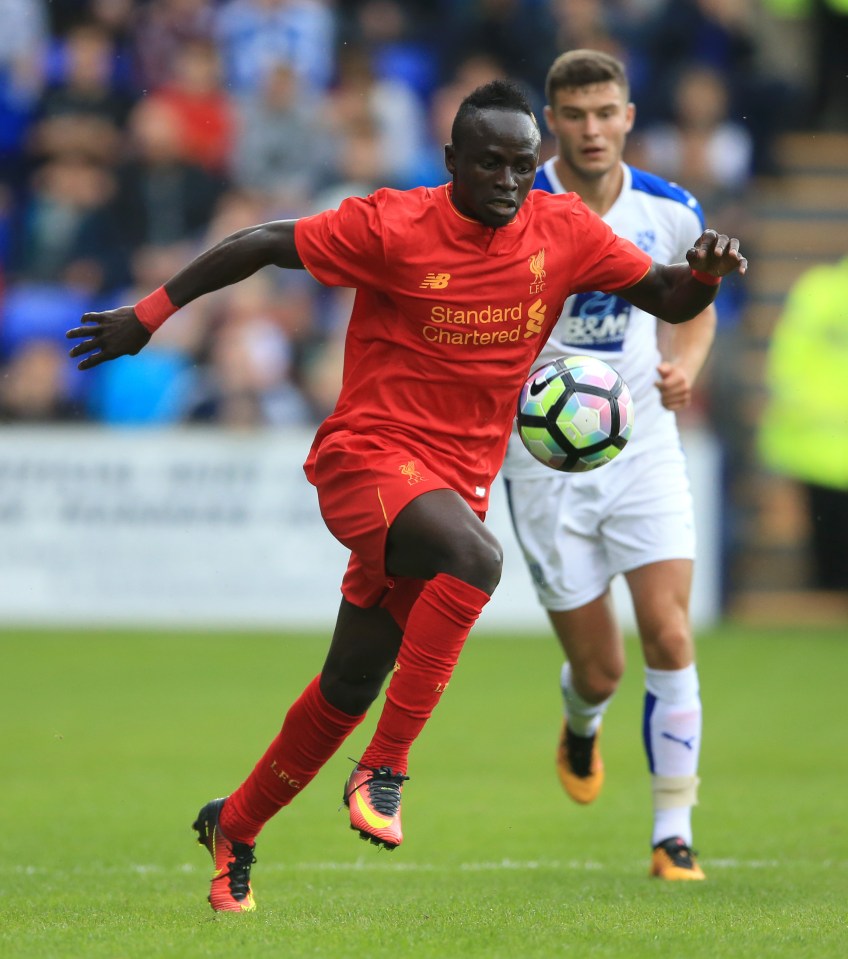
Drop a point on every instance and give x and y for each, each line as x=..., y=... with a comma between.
x=438, y=625
x=312, y=732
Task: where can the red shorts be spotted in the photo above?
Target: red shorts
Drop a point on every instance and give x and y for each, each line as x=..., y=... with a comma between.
x=363, y=482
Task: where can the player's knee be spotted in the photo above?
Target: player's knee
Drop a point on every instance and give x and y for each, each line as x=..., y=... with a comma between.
x=476, y=559
x=352, y=692
x=669, y=647
x=597, y=680
x=600, y=681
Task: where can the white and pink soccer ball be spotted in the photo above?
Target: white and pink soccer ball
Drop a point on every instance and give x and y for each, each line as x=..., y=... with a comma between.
x=575, y=414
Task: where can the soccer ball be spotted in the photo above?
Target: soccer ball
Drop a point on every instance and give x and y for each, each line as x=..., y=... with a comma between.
x=575, y=414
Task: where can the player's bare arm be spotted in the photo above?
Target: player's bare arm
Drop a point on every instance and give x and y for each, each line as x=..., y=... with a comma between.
x=119, y=332
x=679, y=292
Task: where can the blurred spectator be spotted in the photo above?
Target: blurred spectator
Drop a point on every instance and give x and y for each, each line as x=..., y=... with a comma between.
x=163, y=197
x=723, y=35
x=702, y=148
x=804, y=430
x=256, y=35
x=399, y=45
x=282, y=147
x=246, y=379
x=34, y=387
x=205, y=113
x=360, y=99
x=82, y=111
x=117, y=18
x=68, y=231
x=23, y=44
x=583, y=24
x=360, y=165
x=37, y=384
x=519, y=35
x=161, y=29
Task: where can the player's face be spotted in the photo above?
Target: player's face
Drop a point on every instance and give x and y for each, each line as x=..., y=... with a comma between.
x=590, y=125
x=494, y=165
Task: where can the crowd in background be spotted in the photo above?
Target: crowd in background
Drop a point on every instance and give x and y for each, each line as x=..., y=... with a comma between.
x=134, y=133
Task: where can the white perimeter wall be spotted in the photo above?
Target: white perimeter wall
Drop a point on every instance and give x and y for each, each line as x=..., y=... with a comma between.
x=212, y=529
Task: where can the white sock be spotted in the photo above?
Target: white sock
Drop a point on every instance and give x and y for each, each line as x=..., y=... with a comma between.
x=672, y=738
x=583, y=718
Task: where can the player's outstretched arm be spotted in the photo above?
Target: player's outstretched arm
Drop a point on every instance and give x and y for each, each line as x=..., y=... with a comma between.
x=127, y=330
x=680, y=292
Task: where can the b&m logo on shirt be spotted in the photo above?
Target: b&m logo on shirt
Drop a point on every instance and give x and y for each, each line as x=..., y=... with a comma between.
x=597, y=320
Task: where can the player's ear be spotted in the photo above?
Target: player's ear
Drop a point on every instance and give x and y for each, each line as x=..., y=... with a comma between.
x=548, y=114
x=450, y=158
x=629, y=116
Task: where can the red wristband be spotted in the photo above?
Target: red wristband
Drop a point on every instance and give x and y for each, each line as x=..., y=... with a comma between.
x=707, y=278
x=154, y=309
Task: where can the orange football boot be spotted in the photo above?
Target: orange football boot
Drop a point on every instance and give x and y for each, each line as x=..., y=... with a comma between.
x=579, y=764
x=230, y=890
x=373, y=797
x=673, y=859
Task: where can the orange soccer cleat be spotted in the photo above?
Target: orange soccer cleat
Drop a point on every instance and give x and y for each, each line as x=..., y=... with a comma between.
x=373, y=797
x=579, y=764
x=230, y=890
x=673, y=859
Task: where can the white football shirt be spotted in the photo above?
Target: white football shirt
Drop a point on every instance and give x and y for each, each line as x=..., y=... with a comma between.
x=664, y=220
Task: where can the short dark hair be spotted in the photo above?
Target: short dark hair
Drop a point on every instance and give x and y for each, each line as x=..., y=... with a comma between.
x=495, y=95
x=580, y=68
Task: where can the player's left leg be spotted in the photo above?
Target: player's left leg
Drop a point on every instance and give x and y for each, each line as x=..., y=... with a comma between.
x=437, y=538
x=403, y=522
x=672, y=711
x=361, y=655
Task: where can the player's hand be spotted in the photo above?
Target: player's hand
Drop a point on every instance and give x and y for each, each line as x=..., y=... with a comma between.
x=717, y=254
x=106, y=336
x=674, y=386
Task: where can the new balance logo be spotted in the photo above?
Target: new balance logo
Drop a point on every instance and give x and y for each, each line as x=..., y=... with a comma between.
x=688, y=743
x=435, y=281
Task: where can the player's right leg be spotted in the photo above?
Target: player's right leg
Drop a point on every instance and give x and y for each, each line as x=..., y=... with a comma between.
x=556, y=521
x=591, y=641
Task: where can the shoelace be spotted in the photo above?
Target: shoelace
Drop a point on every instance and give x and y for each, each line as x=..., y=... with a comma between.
x=579, y=751
x=239, y=869
x=680, y=854
x=383, y=788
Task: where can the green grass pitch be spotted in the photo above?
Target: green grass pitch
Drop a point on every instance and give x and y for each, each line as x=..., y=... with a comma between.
x=112, y=741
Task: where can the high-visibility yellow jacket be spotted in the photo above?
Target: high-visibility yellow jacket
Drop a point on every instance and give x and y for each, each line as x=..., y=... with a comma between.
x=804, y=429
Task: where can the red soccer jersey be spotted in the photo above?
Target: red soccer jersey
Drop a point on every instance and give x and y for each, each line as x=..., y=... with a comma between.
x=450, y=314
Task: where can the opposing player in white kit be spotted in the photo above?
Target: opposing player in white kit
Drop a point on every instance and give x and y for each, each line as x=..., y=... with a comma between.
x=634, y=516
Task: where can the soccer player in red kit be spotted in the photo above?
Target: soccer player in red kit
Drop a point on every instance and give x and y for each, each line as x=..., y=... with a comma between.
x=456, y=290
